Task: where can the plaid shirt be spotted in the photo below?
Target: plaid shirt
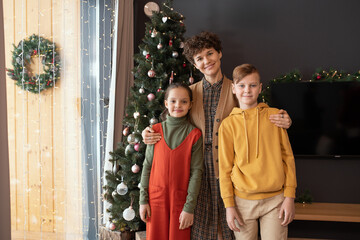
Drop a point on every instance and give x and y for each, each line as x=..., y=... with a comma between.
x=210, y=213
x=211, y=96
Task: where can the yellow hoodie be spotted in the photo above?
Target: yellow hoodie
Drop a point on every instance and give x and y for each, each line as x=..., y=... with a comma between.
x=255, y=156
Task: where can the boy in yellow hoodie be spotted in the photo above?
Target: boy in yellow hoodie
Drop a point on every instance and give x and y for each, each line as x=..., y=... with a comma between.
x=256, y=164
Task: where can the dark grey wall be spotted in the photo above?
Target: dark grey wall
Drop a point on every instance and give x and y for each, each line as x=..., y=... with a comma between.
x=278, y=36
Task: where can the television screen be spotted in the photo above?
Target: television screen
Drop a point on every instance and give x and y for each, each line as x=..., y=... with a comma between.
x=325, y=115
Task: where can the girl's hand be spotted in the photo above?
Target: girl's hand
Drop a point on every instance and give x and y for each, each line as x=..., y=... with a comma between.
x=150, y=136
x=231, y=215
x=186, y=220
x=144, y=212
x=282, y=119
x=287, y=210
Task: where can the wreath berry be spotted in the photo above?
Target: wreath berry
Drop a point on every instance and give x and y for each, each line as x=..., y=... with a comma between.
x=35, y=46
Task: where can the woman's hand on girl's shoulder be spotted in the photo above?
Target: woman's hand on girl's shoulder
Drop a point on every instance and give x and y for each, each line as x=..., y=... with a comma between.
x=150, y=136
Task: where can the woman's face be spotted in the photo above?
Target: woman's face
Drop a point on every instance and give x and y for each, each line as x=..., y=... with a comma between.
x=208, y=62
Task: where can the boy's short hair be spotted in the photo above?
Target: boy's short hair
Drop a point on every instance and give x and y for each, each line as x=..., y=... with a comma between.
x=242, y=71
x=197, y=43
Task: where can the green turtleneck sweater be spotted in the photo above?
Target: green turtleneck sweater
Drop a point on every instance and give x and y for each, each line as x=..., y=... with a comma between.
x=175, y=131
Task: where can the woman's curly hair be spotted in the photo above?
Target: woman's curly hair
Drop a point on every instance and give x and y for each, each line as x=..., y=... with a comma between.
x=197, y=43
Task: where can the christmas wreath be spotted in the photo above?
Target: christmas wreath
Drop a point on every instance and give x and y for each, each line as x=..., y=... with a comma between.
x=35, y=46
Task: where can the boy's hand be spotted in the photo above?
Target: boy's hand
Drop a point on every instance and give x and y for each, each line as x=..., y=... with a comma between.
x=144, y=212
x=282, y=119
x=150, y=136
x=231, y=215
x=186, y=220
x=287, y=210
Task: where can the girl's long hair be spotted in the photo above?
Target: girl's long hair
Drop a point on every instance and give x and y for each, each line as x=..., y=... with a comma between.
x=170, y=87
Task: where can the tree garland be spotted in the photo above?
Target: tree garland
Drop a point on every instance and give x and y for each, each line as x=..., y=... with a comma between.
x=35, y=46
x=319, y=76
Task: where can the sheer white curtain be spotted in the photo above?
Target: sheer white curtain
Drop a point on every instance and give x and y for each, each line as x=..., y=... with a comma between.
x=121, y=79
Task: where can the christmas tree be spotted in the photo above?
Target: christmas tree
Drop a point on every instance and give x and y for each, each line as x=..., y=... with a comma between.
x=158, y=63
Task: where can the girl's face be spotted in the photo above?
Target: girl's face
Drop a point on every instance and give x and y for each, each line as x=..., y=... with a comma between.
x=208, y=62
x=247, y=90
x=178, y=102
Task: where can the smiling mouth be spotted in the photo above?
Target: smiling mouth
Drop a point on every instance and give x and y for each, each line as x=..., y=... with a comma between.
x=209, y=66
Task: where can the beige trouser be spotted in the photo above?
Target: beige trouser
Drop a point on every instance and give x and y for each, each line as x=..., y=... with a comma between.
x=267, y=212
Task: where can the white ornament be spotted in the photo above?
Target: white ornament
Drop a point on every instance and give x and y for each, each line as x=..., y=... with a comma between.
x=142, y=90
x=136, y=115
x=175, y=54
x=108, y=225
x=131, y=138
x=153, y=121
x=164, y=19
x=159, y=46
x=139, y=185
x=153, y=33
x=182, y=45
x=122, y=189
x=114, y=194
x=129, y=214
x=145, y=52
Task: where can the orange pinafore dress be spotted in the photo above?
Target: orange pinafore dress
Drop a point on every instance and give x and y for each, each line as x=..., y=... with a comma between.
x=168, y=184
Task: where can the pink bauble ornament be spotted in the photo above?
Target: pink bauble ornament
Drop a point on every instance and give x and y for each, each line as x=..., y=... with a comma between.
x=159, y=89
x=137, y=147
x=191, y=80
x=135, y=168
x=151, y=97
x=126, y=131
x=112, y=226
x=151, y=73
x=147, y=56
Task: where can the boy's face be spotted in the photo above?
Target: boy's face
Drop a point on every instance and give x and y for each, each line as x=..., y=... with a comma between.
x=247, y=90
x=208, y=61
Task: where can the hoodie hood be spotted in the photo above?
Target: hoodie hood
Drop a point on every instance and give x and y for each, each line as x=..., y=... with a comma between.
x=245, y=114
